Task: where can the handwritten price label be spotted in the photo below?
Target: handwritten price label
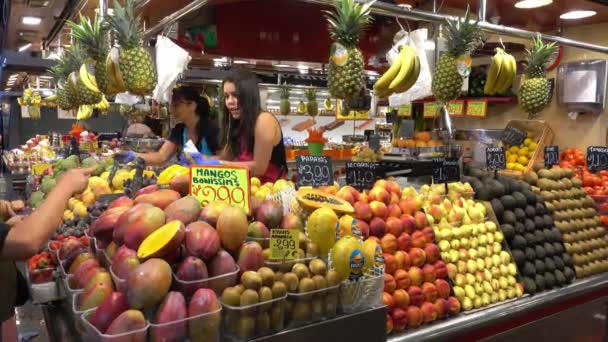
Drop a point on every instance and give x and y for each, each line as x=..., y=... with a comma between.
x=405, y=111
x=284, y=244
x=314, y=171
x=477, y=108
x=216, y=183
x=430, y=110
x=456, y=108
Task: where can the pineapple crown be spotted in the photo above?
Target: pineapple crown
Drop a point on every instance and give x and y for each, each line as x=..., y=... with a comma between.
x=91, y=35
x=311, y=94
x=71, y=60
x=285, y=90
x=126, y=24
x=538, y=57
x=347, y=21
x=464, y=36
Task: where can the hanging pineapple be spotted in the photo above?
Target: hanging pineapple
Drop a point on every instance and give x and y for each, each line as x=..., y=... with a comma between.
x=285, y=106
x=84, y=92
x=312, y=107
x=346, y=23
x=135, y=63
x=535, y=90
x=59, y=74
x=463, y=38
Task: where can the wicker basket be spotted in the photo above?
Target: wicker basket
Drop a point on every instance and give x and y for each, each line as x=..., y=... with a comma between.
x=544, y=136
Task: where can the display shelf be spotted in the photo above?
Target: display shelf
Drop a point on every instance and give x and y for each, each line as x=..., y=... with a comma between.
x=489, y=99
x=503, y=313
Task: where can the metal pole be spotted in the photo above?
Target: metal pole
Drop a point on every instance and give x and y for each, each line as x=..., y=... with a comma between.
x=103, y=8
x=174, y=17
x=481, y=10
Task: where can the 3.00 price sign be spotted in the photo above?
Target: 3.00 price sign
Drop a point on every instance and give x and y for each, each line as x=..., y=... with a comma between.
x=218, y=183
x=314, y=171
x=597, y=158
x=495, y=158
x=284, y=244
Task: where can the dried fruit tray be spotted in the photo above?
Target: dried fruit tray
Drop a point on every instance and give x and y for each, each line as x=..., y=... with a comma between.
x=182, y=329
x=320, y=304
x=91, y=334
x=243, y=323
x=217, y=283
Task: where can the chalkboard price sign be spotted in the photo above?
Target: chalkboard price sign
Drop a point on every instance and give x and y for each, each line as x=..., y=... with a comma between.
x=495, y=158
x=314, y=171
x=361, y=175
x=513, y=136
x=597, y=158
x=448, y=172
x=551, y=155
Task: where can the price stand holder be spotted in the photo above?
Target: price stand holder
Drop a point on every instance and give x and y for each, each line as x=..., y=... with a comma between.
x=551, y=155
x=361, y=175
x=495, y=159
x=597, y=158
x=314, y=171
x=284, y=244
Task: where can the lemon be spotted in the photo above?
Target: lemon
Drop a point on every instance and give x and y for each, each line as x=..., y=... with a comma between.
x=520, y=167
x=512, y=158
x=279, y=185
x=523, y=160
x=511, y=166
x=523, y=151
x=255, y=181
x=513, y=149
x=262, y=193
x=254, y=189
x=527, y=141
x=530, y=154
x=532, y=146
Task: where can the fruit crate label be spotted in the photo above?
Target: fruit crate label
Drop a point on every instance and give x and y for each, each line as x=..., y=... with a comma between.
x=38, y=169
x=314, y=171
x=597, y=158
x=456, y=108
x=430, y=110
x=284, y=244
x=448, y=172
x=405, y=111
x=361, y=175
x=495, y=158
x=551, y=155
x=477, y=108
x=513, y=136
x=221, y=183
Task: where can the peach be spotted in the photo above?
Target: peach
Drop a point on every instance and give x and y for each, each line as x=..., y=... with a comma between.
x=429, y=273
x=407, y=206
x=393, y=187
x=399, y=317
x=389, y=243
x=429, y=233
x=416, y=275
x=437, y=211
x=443, y=288
x=453, y=305
x=402, y=298
x=362, y=211
x=429, y=311
x=432, y=252
x=364, y=197
x=418, y=239
x=435, y=199
x=429, y=290
x=380, y=183
x=404, y=242
x=388, y=300
x=379, y=194
x=390, y=263
x=346, y=193
x=395, y=200
x=421, y=220
x=389, y=324
x=408, y=223
x=364, y=228
x=389, y=283
x=416, y=295
x=377, y=227
x=394, y=226
x=403, y=260
x=379, y=209
x=417, y=256
x=402, y=278
x=442, y=270
x=441, y=305
x=414, y=316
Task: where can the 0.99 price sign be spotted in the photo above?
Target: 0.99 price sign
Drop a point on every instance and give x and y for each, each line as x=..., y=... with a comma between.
x=216, y=183
x=361, y=175
x=284, y=244
x=314, y=171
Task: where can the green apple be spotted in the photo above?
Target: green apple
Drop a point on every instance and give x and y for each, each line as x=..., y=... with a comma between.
x=498, y=236
x=504, y=270
x=444, y=245
x=511, y=292
x=455, y=243
x=487, y=275
x=505, y=258
x=477, y=303
x=471, y=265
x=511, y=280
x=466, y=230
x=494, y=297
x=496, y=260
x=495, y=272
x=478, y=288
x=464, y=242
x=490, y=238
x=462, y=266
x=474, y=242
x=472, y=253
x=487, y=287
x=483, y=239
x=478, y=277
x=504, y=283
x=453, y=256
x=512, y=269
x=482, y=252
x=495, y=284
x=491, y=226
x=470, y=279
x=460, y=280
x=480, y=264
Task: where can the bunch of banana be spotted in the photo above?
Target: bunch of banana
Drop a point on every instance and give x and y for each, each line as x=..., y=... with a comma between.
x=103, y=106
x=328, y=104
x=116, y=83
x=88, y=78
x=84, y=112
x=501, y=73
x=401, y=76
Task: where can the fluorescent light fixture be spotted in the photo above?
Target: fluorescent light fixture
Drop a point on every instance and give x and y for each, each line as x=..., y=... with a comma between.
x=221, y=60
x=533, y=3
x=7, y=89
x=46, y=77
x=303, y=69
x=282, y=65
x=572, y=15
x=25, y=47
x=31, y=20
x=240, y=62
x=13, y=76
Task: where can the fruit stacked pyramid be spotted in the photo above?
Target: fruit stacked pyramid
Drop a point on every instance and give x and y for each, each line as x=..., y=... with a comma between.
x=518, y=157
x=575, y=216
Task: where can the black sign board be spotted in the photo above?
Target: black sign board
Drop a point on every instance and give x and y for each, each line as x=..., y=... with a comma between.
x=406, y=129
x=361, y=175
x=374, y=142
x=391, y=117
x=314, y=171
x=551, y=155
x=495, y=158
x=448, y=172
x=597, y=158
x=513, y=136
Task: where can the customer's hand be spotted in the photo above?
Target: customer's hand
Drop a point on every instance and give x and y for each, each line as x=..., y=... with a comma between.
x=125, y=157
x=75, y=180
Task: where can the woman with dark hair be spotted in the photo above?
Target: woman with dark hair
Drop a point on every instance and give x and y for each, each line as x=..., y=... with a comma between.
x=191, y=111
x=250, y=137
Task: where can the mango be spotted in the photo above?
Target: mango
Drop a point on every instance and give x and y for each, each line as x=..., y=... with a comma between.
x=186, y=209
x=140, y=224
x=250, y=257
x=147, y=190
x=181, y=184
x=103, y=226
x=270, y=213
x=160, y=198
x=82, y=257
x=204, y=328
x=81, y=270
x=232, y=226
x=94, y=296
x=123, y=252
x=102, y=276
x=162, y=242
x=69, y=250
x=122, y=201
x=115, y=304
x=122, y=268
x=172, y=309
x=258, y=230
x=126, y=219
x=292, y=221
x=221, y=264
x=130, y=320
x=189, y=272
x=201, y=240
x=111, y=249
x=211, y=212
x=148, y=283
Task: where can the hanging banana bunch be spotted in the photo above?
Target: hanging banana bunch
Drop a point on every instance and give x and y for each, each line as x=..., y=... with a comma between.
x=501, y=73
x=402, y=74
x=32, y=100
x=103, y=106
x=84, y=112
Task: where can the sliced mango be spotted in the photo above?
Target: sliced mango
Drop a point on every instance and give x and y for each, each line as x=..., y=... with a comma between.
x=163, y=241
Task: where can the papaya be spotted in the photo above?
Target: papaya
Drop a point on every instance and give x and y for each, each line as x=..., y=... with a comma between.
x=314, y=199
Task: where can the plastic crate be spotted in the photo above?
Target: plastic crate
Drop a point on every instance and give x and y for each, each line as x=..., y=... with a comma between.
x=270, y=313
x=119, y=283
x=217, y=283
x=183, y=329
x=91, y=334
x=544, y=136
x=43, y=292
x=285, y=266
x=360, y=295
x=322, y=304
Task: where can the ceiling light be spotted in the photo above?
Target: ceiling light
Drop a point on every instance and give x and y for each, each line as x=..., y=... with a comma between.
x=46, y=77
x=571, y=15
x=25, y=47
x=31, y=20
x=13, y=76
x=221, y=60
x=533, y=3
x=240, y=62
x=282, y=65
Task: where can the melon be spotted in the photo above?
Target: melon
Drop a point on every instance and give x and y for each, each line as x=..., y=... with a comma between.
x=321, y=228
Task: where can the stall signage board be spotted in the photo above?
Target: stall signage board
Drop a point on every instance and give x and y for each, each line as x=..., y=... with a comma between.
x=495, y=158
x=448, y=172
x=361, y=175
x=456, y=108
x=597, y=158
x=284, y=244
x=551, y=155
x=314, y=171
x=430, y=110
x=477, y=108
x=221, y=183
x=405, y=111
x=513, y=136
x=354, y=115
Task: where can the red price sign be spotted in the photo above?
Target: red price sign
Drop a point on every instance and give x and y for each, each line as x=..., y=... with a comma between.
x=219, y=183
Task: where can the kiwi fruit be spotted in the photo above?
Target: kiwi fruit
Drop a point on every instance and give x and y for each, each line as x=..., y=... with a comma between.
x=508, y=231
x=538, y=222
x=549, y=280
x=530, y=211
x=291, y=281
x=558, y=248
x=518, y=242
x=539, y=235
x=509, y=217
x=302, y=311
x=332, y=277
x=267, y=275
x=262, y=321
x=249, y=297
x=231, y=296
x=519, y=257
x=520, y=199
x=520, y=214
x=317, y=267
x=547, y=235
x=265, y=294
x=560, y=278
x=529, y=270
x=530, y=253
x=239, y=288
x=252, y=280
x=539, y=265
x=520, y=228
x=569, y=274
x=540, y=251
x=319, y=281
x=529, y=285
x=530, y=238
x=279, y=289
x=301, y=271
x=306, y=285
x=508, y=202
x=245, y=327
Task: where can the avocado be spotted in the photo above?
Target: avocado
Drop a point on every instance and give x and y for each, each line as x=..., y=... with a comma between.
x=497, y=207
x=508, y=202
x=497, y=189
x=548, y=220
x=540, y=237
x=477, y=173
x=540, y=251
x=549, y=265
x=559, y=263
x=508, y=231
x=487, y=179
x=530, y=253
x=509, y=217
x=539, y=223
x=520, y=214
x=549, y=249
x=518, y=242
x=560, y=278
x=519, y=257
x=505, y=183
x=540, y=282
x=530, y=197
x=547, y=235
x=558, y=248
x=530, y=238
x=539, y=265
x=549, y=280
x=529, y=285
x=520, y=228
x=557, y=235
x=540, y=209
x=520, y=199
x=483, y=193
x=567, y=259
x=569, y=274
x=516, y=186
x=529, y=270
x=530, y=211
x=529, y=224
x=476, y=184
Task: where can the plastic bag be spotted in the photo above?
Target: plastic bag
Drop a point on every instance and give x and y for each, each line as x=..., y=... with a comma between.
x=171, y=61
x=127, y=99
x=422, y=87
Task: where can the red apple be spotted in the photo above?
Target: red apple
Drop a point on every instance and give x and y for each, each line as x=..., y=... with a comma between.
x=404, y=242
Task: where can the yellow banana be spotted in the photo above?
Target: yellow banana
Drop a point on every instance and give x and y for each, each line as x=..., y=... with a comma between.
x=84, y=112
x=383, y=82
x=406, y=68
x=51, y=98
x=87, y=79
x=411, y=78
x=505, y=74
x=510, y=60
x=115, y=81
x=493, y=72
